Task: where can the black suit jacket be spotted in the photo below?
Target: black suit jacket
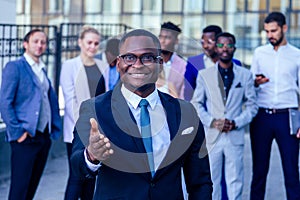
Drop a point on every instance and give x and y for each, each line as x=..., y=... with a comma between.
x=125, y=175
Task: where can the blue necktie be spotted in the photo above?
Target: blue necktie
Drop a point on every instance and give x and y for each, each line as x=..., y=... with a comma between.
x=146, y=133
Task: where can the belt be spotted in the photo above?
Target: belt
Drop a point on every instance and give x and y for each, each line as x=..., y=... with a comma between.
x=274, y=110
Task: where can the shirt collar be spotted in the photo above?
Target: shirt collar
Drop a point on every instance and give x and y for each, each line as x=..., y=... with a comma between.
x=223, y=71
x=31, y=62
x=281, y=47
x=171, y=60
x=134, y=99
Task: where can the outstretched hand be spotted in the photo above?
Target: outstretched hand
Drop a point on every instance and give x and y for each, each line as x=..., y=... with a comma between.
x=99, y=148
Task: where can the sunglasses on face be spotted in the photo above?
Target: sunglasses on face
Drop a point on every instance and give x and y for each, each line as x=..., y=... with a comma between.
x=228, y=46
x=145, y=59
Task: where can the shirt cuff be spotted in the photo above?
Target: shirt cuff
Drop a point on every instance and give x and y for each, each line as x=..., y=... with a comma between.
x=90, y=165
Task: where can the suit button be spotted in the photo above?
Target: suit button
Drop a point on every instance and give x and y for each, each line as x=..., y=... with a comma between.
x=36, y=113
x=152, y=184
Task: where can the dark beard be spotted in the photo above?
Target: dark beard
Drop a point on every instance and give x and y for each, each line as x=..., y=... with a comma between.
x=214, y=55
x=278, y=41
x=226, y=60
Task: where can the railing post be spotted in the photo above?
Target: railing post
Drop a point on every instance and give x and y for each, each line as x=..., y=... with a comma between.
x=58, y=59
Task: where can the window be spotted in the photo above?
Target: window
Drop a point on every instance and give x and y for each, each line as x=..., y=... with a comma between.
x=92, y=7
x=172, y=6
x=55, y=6
x=112, y=6
x=256, y=5
x=193, y=6
x=296, y=5
x=132, y=6
x=214, y=6
x=152, y=6
x=278, y=5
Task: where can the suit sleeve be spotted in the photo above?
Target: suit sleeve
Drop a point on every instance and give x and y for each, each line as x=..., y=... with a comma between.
x=9, y=88
x=196, y=168
x=250, y=105
x=67, y=85
x=199, y=101
x=189, y=81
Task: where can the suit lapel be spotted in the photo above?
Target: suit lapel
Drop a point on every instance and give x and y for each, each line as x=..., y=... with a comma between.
x=121, y=114
x=171, y=114
x=31, y=73
x=178, y=118
x=221, y=87
x=235, y=82
x=82, y=90
x=215, y=85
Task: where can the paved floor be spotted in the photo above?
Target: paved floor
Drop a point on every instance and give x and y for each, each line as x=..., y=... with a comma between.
x=54, y=180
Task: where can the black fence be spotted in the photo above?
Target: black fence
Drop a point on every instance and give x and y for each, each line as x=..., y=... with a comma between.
x=62, y=43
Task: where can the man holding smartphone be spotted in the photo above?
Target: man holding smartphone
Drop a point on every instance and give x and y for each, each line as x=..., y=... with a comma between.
x=276, y=67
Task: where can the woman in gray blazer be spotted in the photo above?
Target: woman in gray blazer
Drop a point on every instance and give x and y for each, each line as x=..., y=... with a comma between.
x=79, y=79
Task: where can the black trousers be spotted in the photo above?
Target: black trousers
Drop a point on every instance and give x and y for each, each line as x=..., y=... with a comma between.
x=78, y=187
x=28, y=160
x=263, y=129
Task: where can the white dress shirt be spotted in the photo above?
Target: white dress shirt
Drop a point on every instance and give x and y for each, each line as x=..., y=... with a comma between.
x=208, y=61
x=282, y=67
x=158, y=121
x=36, y=67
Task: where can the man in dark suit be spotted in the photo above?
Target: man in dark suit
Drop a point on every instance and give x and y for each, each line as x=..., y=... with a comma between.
x=129, y=165
x=29, y=108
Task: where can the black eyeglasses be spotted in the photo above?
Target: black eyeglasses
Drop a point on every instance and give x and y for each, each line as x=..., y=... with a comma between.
x=228, y=46
x=145, y=59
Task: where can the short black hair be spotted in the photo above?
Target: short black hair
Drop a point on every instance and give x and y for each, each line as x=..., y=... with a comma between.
x=212, y=29
x=276, y=17
x=112, y=46
x=31, y=32
x=172, y=27
x=226, y=34
x=141, y=32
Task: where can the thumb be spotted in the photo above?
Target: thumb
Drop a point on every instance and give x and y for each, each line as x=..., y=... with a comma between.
x=94, y=126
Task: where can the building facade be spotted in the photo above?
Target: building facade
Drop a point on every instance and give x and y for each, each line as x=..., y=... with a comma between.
x=244, y=18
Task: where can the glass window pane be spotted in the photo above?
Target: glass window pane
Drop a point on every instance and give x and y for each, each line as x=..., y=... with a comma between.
x=54, y=6
x=193, y=6
x=132, y=6
x=152, y=6
x=214, y=19
x=256, y=5
x=213, y=6
x=172, y=5
x=190, y=40
x=279, y=5
x=294, y=25
x=296, y=5
x=92, y=7
x=112, y=6
x=235, y=5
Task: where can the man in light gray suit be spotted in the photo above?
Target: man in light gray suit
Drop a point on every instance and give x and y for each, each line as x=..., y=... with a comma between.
x=225, y=100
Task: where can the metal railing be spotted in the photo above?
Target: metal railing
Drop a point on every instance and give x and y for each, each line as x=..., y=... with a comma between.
x=62, y=43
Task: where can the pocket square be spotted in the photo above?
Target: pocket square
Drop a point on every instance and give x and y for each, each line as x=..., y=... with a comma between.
x=187, y=131
x=239, y=85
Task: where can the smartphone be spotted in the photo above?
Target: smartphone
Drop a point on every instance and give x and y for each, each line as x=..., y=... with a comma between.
x=261, y=75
